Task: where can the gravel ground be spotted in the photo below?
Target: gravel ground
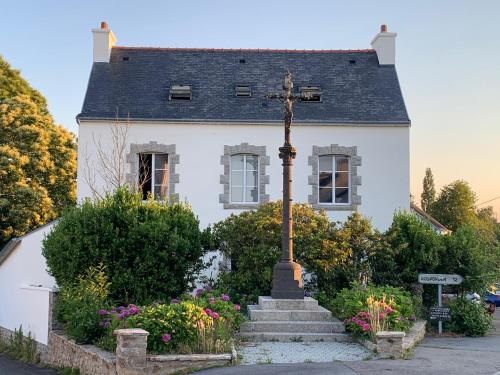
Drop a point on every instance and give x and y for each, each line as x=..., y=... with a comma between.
x=301, y=352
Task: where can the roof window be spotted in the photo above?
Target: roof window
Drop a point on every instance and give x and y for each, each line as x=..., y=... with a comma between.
x=310, y=93
x=180, y=92
x=243, y=91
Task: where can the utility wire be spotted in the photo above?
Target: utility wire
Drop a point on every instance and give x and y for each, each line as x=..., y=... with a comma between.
x=490, y=200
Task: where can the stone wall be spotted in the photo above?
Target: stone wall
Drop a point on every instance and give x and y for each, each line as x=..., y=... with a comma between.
x=41, y=349
x=89, y=359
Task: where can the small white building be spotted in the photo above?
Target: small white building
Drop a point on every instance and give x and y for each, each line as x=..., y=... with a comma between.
x=200, y=119
x=25, y=286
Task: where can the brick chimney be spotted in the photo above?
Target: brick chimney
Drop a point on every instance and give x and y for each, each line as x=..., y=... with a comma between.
x=104, y=40
x=384, y=44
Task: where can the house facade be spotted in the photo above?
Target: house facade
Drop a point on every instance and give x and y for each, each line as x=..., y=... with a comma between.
x=195, y=125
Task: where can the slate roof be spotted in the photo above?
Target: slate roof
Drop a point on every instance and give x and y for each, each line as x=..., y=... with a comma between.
x=138, y=87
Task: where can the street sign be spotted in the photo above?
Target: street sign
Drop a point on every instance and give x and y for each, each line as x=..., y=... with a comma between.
x=440, y=313
x=440, y=279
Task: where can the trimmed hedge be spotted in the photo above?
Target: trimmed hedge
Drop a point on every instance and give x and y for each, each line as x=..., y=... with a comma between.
x=151, y=251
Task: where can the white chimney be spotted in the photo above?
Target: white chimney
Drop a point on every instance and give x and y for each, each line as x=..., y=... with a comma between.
x=104, y=40
x=384, y=44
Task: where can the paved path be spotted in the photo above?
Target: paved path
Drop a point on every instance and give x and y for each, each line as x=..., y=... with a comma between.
x=10, y=366
x=300, y=352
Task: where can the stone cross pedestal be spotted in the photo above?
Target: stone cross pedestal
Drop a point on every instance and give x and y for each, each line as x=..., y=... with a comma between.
x=291, y=320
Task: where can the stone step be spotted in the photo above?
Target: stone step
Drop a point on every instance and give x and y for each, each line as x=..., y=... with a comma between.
x=294, y=337
x=268, y=303
x=292, y=327
x=321, y=314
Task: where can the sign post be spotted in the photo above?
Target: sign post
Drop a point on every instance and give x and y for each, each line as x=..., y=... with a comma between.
x=440, y=313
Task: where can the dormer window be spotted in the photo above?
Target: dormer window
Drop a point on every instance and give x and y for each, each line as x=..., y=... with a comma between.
x=180, y=92
x=311, y=93
x=243, y=91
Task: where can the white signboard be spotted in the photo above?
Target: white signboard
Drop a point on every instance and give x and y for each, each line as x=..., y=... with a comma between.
x=436, y=278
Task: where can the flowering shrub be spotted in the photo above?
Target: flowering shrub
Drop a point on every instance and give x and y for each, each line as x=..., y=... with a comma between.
x=366, y=310
x=204, y=323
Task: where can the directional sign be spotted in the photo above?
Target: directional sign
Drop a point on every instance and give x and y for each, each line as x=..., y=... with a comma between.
x=436, y=278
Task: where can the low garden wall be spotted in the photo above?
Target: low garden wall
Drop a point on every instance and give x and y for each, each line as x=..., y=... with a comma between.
x=130, y=357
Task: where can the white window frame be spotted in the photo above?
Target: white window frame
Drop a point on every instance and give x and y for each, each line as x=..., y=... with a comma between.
x=153, y=170
x=244, y=179
x=333, y=171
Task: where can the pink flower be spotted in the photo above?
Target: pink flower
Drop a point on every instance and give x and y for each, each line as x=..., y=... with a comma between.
x=211, y=300
x=133, y=310
x=237, y=307
x=208, y=311
x=214, y=315
x=388, y=310
x=366, y=327
x=166, y=338
x=381, y=315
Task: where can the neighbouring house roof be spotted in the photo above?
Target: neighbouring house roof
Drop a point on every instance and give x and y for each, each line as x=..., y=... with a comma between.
x=135, y=84
x=10, y=246
x=433, y=222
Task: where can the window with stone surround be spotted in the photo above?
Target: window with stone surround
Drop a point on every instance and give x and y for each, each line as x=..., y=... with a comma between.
x=244, y=179
x=152, y=169
x=334, y=179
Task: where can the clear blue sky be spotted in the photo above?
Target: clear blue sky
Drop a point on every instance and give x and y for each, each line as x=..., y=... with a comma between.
x=448, y=59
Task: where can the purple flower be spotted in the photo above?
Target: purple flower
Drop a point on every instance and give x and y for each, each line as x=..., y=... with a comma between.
x=121, y=308
x=224, y=297
x=208, y=289
x=166, y=338
x=175, y=301
x=199, y=292
x=103, y=312
x=133, y=310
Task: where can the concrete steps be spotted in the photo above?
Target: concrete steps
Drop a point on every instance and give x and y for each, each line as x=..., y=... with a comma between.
x=293, y=326
x=295, y=337
x=255, y=312
x=291, y=320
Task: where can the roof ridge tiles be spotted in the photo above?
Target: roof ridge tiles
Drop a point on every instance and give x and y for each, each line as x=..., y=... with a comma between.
x=188, y=49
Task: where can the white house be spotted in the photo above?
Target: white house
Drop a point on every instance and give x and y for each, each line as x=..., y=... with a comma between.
x=201, y=120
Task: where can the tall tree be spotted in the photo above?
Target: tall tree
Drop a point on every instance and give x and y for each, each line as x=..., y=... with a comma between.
x=454, y=206
x=37, y=158
x=429, y=191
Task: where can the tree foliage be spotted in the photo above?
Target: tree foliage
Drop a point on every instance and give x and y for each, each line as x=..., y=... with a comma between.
x=454, y=205
x=38, y=158
x=334, y=253
x=151, y=251
x=429, y=191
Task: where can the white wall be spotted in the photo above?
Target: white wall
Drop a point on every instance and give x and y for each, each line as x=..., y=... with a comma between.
x=384, y=152
x=25, y=286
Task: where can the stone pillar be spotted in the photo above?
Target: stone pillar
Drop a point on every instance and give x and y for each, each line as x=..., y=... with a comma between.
x=390, y=344
x=131, y=351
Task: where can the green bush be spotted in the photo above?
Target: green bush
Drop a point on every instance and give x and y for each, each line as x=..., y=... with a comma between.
x=469, y=317
x=77, y=305
x=151, y=251
x=335, y=254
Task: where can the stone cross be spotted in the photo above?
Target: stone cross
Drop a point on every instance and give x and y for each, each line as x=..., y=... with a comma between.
x=287, y=275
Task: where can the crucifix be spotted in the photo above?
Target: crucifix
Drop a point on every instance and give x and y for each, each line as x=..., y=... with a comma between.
x=287, y=275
